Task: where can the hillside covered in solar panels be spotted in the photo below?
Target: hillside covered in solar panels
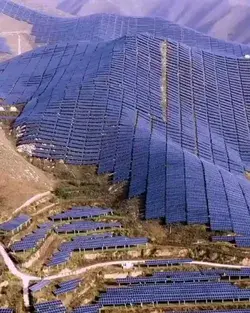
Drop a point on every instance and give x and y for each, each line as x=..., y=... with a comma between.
x=158, y=105
x=105, y=27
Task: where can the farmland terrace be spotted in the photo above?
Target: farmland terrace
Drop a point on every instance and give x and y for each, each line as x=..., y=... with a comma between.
x=143, y=126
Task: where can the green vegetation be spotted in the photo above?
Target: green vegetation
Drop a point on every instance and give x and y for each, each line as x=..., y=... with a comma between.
x=10, y=289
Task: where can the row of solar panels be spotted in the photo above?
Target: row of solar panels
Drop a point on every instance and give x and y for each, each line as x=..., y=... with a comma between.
x=31, y=241
x=240, y=241
x=64, y=254
x=81, y=212
x=96, y=309
x=181, y=277
x=222, y=311
x=173, y=293
x=103, y=242
x=68, y=286
x=190, y=292
x=6, y=310
x=55, y=306
x=85, y=226
x=62, y=288
x=16, y=223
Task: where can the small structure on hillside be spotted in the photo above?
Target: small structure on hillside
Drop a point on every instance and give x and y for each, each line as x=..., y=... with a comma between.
x=13, y=108
x=127, y=265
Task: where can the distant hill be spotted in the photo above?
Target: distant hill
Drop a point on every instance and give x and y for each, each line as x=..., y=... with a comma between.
x=226, y=19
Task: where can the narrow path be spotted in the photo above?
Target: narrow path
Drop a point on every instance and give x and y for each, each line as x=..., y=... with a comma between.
x=15, y=32
x=12, y=267
x=19, y=45
x=43, y=209
x=27, y=278
x=134, y=262
x=219, y=265
x=32, y=200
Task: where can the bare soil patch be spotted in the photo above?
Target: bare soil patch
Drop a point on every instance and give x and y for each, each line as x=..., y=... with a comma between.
x=19, y=180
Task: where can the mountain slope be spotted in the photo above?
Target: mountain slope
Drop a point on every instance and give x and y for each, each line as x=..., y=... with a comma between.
x=19, y=180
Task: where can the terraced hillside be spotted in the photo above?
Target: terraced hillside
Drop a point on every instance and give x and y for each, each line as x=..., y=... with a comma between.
x=169, y=115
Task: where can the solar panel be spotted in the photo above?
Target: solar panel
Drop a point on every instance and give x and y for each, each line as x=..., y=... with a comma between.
x=173, y=293
x=67, y=286
x=162, y=279
x=81, y=212
x=86, y=226
x=92, y=243
x=223, y=311
x=39, y=286
x=223, y=238
x=89, y=309
x=16, y=223
x=31, y=241
x=6, y=310
x=167, y=262
x=50, y=306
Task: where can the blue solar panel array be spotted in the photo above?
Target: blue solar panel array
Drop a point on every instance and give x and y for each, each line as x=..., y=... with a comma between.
x=102, y=103
x=88, y=309
x=173, y=293
x=223, y=238
x=67, y=286
x=50, y=307
x=219, y=311
x=163, y=279
x=4, y=48
x=39, y=286
x=93, y=242
x=185, y=276
x=32, y=240
x=6, y=310
x=80, y=213
x=85, y=226
x=15, y=224
x=104, y=27
x=240, y=241
x=167, y=262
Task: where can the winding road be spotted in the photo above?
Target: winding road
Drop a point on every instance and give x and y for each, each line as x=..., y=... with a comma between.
x=26, y=278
